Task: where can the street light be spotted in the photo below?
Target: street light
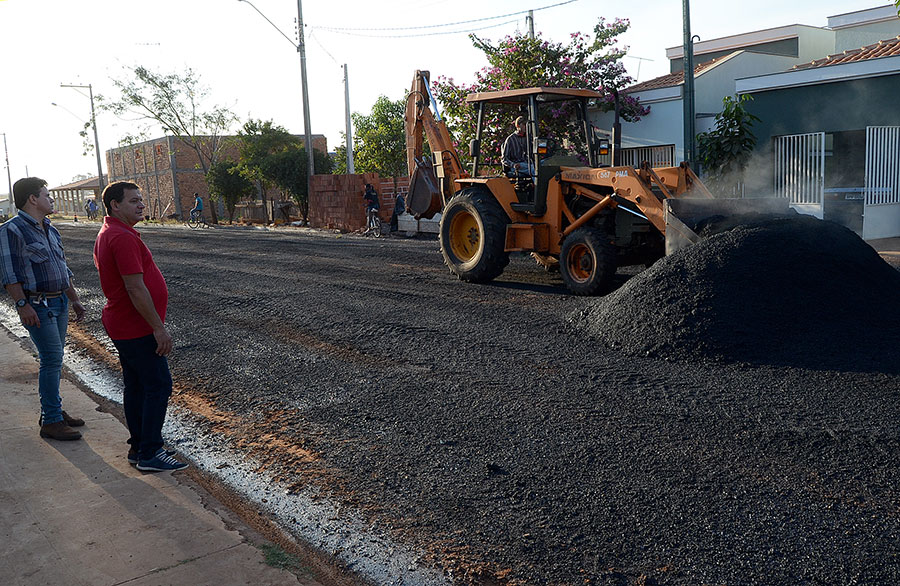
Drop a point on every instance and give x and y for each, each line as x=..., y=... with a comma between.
x=94, y=124
x=688, y=98
x=301, y=48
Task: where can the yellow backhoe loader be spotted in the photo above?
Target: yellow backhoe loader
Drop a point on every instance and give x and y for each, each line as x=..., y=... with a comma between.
x=571, y=209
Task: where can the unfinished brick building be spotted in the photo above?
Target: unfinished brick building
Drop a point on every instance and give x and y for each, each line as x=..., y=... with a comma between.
x=169, y=171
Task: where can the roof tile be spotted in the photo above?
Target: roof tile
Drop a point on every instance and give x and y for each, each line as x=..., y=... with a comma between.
x=673, y=79
x=886, y=48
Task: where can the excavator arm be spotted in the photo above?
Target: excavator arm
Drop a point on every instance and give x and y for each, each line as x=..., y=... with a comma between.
x=432, y=182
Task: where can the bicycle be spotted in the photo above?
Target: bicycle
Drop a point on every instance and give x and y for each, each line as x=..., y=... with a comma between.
x=197, y=221
x=373, y=225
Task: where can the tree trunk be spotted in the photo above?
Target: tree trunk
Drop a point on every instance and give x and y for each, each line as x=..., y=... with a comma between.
x=265, y=202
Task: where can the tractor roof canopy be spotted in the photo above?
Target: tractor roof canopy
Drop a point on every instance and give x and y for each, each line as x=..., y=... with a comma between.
x=541, y=94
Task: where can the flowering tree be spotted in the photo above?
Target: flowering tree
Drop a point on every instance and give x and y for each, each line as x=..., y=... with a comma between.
x=521, y=61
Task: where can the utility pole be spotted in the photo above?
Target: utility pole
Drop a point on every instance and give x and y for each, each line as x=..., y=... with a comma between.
x=12, y=201
x=301, y=48
x=94, y=124
x=530, y=21
x=349, y=141
x=617, y=131
x=688, y=98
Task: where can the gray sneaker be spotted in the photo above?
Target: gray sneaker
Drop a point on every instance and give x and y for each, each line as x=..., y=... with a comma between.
x=161, y=462
x=133, y=456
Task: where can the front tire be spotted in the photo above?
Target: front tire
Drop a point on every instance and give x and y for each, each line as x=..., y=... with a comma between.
x=587, y=262
x=473, y=236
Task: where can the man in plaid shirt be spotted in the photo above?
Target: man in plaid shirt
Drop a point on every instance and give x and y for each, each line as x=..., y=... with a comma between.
x=34, y=272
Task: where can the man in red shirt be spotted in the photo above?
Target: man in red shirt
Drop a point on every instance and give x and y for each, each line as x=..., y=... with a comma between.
x=134, y=317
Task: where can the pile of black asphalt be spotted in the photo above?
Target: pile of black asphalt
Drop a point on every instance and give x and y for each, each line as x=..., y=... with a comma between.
x=793, y=291
x=488, y=426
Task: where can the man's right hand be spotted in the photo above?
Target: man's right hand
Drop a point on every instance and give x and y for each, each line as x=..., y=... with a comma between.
x=164, y=342
x=29, y=316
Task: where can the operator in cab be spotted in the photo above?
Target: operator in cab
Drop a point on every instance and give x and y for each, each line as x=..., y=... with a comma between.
x=514, y=153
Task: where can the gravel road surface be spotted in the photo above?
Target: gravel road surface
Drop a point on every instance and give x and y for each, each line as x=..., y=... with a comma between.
x=486, y=425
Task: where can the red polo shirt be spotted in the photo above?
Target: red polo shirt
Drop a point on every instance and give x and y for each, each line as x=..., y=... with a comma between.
x=119, y=251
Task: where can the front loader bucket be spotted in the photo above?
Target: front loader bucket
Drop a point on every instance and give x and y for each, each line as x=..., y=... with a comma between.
x=687, y=216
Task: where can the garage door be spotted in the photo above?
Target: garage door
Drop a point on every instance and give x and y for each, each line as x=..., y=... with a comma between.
x=800, y=171
x=881, y=215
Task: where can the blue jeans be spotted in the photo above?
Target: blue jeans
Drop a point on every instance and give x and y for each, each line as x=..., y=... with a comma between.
x=148, y=385
x=524, y=169
x=50, y=341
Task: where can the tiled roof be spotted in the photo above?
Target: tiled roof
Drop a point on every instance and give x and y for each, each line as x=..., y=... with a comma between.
x=676, y=78
x=87, y=184
x=887, y=48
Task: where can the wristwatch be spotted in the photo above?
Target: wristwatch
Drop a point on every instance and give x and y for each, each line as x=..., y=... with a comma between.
x=22, y=302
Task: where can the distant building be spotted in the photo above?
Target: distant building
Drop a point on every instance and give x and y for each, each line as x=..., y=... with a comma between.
x=6, y=206
x=69, y=199
x=169, y=171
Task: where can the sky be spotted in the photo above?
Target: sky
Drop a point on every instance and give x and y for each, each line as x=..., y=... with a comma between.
x=253, y=69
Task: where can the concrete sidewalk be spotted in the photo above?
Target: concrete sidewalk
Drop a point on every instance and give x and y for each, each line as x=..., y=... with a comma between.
x=77, y=513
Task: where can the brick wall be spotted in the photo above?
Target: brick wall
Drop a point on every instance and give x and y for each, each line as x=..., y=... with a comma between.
x=337, y=200
x=148, y=165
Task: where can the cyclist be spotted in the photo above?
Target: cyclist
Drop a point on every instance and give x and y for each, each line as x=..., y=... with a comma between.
x=372, y=204
x=197, y=211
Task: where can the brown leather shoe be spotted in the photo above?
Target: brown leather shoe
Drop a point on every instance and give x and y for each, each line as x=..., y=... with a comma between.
x=72, y=421
x=59, y=431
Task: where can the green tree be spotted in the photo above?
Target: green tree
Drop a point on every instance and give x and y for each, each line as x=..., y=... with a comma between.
x=379, y=143
x=521, y=61
x=174, y=103
x=287, y=169
x=726, y=150
x=258, y=140
x=226, y=183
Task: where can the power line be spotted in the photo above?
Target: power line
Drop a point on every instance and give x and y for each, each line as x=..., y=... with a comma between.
x=455, y=32
x=313, y=36
x=406, y=28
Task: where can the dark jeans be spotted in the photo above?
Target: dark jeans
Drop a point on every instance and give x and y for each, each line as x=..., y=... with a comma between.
x=148, y=385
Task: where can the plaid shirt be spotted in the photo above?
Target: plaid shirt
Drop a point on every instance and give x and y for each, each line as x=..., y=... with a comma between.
x=33, y=255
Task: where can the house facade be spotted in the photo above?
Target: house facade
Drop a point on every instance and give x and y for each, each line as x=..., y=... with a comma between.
x=829, y=137
x=797, y=89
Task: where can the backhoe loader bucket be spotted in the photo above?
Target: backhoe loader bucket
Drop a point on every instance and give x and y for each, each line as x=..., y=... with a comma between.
x=688, y=218
x=424, y=199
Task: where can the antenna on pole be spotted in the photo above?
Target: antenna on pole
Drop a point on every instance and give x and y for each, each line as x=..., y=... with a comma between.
x=8, y=175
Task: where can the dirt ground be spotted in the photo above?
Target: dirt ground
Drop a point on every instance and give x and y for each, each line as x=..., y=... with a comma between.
x=482, y=424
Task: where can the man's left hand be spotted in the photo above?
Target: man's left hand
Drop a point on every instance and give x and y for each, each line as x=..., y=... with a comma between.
x=78, y=308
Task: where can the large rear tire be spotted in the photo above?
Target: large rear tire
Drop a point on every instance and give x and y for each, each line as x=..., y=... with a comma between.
x=587, y=262
x=473, y=236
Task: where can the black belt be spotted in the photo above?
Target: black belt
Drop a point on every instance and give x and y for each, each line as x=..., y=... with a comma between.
x=38, y=296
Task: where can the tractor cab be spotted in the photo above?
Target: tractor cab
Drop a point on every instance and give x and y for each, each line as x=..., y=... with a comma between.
x=557, y=134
